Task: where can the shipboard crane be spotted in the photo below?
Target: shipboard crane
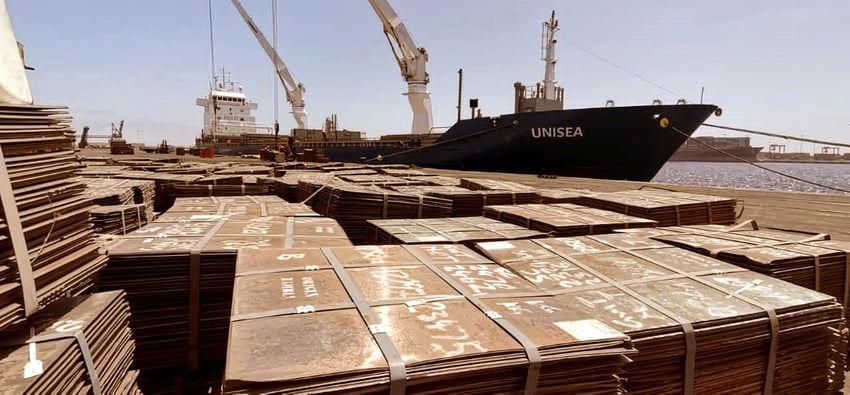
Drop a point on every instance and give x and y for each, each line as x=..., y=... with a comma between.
x=294, y=91
x=412, y=60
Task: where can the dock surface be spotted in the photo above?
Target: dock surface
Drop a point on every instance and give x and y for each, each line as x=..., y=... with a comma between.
x=799, y=211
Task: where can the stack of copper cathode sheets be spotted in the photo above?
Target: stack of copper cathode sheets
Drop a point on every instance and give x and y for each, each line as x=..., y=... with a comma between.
x=64, y=337
x=352, y=205
x=118, y=220
x=52, y=210
x=565, y=219
x=198, y=190
x=377, y=179
x=415, y=319
x=178, y=271
x=465, y=203
x=699, y=324
x=807, y=260
x=459, y=230
x=667, y=207
x=549, y=196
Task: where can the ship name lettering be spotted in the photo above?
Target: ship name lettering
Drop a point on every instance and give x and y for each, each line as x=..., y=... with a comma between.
x=559, y=131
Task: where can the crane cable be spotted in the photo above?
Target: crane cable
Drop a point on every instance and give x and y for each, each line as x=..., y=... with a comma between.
x=760, y=166
x=787, y=137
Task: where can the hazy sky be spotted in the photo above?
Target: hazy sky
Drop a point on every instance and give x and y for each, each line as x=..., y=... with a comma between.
x=779, y=66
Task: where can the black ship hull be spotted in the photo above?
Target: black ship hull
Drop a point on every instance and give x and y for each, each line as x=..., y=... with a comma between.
x=626, y=143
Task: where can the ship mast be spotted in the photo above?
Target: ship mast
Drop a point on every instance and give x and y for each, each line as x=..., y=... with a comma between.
x=550, y=27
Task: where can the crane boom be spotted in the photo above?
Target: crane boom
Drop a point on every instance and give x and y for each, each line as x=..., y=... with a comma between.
x=412, y=62
x=294, y=91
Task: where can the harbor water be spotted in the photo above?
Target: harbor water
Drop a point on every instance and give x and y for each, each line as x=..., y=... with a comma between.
x=744, y=175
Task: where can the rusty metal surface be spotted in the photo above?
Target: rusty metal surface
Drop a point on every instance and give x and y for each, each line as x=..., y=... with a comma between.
x=399, y=283
x=179, y=275
x=667, y=207
x=447, y=344
x=267, y=292
x=101, y=317
x=373, y=255
x=294, y=349
x=654, y=293
x=564, y=219
x=448, y=329
x=463, y=230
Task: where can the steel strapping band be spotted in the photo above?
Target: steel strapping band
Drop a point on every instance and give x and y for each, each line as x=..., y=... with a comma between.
x=710, y=218
x=715, y=252
x=139, y=216
x=84, y=350
x=770, y=371
x=287, y=237
x=419, y=212
x=386, y=203
x=846, y=300
x=18, y=238
x=687, y=327
x=221, y=207
x=123, y=223
x=195, y=295
x=290, y=311
x=278, y=270
x=531, y=350
x=398, y=372
x=678, y=216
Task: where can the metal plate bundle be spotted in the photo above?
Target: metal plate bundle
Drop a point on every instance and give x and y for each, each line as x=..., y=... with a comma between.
x=243, y=169
x=48, y=251
x=309, y=165
x=109, y=191
x=700, y=325
x=565, y=219
x=667, y=207
x=287, y=186
x=407, y=172
x=437, y=180
x=257, y=208
x=353, y=204
x=116, y=192
x=178, y=273
x=811, y=261
x=494, y=185
x=348, y=170
x=162, y=200
x=378, y=179
x=468, y=203
x=118, y=220
x=550, y=196
x=407, y=319
x=220, y=179
x=309, y=184
x=197, y=190
x=79, y=345
x=460, y=230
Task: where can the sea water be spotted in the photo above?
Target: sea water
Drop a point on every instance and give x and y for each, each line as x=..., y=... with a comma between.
x=744, y=175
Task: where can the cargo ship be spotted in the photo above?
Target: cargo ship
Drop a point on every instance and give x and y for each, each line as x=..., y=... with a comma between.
x=539, y=137
x=699, y=149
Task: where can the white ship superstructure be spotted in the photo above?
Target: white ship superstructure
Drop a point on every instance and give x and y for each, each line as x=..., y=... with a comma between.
x=227, y=112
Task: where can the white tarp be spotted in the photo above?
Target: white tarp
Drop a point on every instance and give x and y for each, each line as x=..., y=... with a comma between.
x=14, y=88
